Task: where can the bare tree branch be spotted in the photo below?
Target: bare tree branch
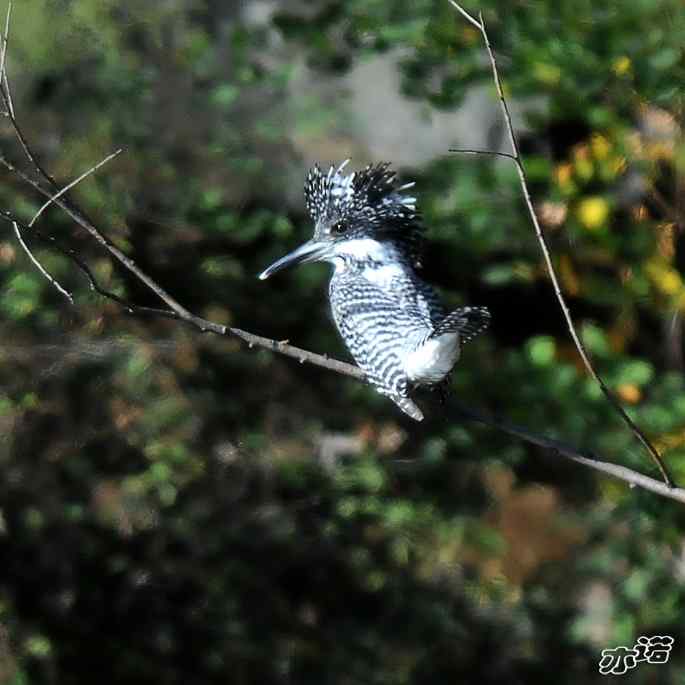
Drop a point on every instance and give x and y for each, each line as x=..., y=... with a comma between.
x=542, y=240
x=6, y=96
x=39, y=266
x=466, y=15
x=4, y=83
x=82, y=220
x=71, y=185
x=177, y=311
x=5, y=37
x=489, y=153
x=587, y=458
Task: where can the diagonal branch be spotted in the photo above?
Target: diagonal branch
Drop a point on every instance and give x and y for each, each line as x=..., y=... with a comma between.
x=39, y=266
x=5, y=37
x=489, y=153
x=6, y=97
x=82, y=220
x=586, y=458
x=72, y=184
x=4, y=83
x=542, y=240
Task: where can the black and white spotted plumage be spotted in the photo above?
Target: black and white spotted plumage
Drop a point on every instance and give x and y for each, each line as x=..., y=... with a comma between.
x=378, y=324
x=390, y=319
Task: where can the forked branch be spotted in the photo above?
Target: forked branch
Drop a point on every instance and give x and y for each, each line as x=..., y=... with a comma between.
x=544, y=247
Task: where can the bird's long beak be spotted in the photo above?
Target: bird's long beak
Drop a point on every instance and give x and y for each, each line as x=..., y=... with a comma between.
x=309, y=252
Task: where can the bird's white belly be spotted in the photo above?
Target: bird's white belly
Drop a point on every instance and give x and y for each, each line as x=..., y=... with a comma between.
x=433, y=360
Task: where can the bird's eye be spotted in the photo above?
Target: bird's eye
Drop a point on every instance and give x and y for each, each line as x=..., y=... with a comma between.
x=339, y=227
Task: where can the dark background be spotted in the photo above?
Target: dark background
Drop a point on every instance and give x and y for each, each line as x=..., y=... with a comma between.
x=177, y=508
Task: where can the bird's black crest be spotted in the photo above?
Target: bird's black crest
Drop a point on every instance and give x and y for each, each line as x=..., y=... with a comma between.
x=372, y=200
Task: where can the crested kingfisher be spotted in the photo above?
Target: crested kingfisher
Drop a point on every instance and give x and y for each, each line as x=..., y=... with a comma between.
x=391, y=320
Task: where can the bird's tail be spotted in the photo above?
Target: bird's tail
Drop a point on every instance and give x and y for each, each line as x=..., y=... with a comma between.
x=467, y=321
x=408, y=407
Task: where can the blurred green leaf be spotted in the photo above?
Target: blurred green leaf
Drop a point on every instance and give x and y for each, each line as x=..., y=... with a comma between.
x=541, y=350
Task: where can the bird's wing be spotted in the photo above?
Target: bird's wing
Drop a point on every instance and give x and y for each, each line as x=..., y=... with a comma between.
x=467, y=321
x=418, y=298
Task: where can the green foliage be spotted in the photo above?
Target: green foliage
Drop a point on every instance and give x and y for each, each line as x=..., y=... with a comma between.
x=182, y=509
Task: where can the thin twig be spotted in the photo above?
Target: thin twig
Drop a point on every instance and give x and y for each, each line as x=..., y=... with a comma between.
x=85, y=269
x=3, y=63
x=82, y=220
x=516, y=157
x=7, y=99
x=5, y=37
x=557, y=448
x=466, y=15
x=488, y=153
x=39, y=266
x=6, y=85
x=72, y=184
x=6, y=96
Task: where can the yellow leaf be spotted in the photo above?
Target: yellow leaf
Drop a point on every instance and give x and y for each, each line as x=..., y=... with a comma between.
x=593, y=212
x=621, y=66
x=664, y=277
x=670, y=282
x=600, y=146
x=563, y=175
x=629, y=393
